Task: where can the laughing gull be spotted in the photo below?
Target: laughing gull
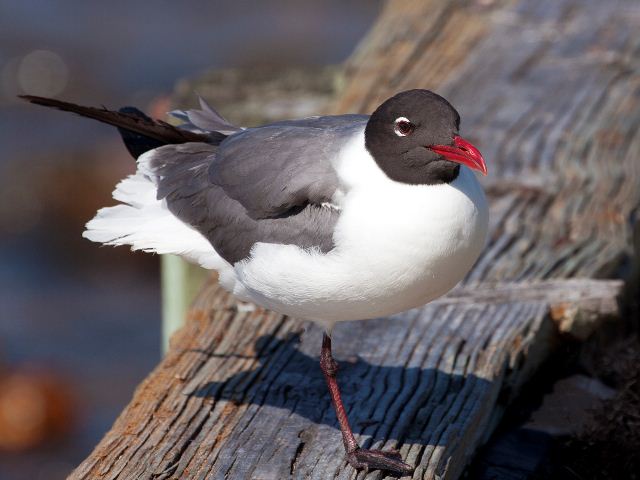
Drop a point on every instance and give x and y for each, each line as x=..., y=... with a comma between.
x=327, y=218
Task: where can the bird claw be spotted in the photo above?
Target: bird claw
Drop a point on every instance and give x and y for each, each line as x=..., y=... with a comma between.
x=379, y=460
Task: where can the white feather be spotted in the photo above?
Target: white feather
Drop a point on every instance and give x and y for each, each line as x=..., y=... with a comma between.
x=145, y=223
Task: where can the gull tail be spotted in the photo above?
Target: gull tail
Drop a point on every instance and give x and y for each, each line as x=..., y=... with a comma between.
x=144, y=222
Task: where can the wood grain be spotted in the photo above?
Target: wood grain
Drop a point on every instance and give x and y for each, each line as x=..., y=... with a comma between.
x=550, y=92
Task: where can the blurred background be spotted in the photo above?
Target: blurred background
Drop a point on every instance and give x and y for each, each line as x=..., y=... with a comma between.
x=80, y=325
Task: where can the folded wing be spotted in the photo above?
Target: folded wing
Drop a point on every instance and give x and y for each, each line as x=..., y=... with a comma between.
x=271, y=184
x=277, y=168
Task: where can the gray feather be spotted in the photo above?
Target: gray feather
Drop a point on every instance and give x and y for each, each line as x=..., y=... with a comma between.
x=277, y=167
x=190, y=196
x=263, y=184
x=207, y=119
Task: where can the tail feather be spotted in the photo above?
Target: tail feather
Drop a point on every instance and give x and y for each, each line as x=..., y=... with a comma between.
x=145, y=223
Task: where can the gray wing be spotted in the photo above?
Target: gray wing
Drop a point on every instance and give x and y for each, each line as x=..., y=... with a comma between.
x=260, y=185
x=273, y=169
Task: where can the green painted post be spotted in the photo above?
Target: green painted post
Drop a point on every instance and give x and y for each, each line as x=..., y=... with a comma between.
x=181, y=281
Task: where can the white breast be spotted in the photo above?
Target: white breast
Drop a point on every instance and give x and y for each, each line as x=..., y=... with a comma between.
x=397, y=246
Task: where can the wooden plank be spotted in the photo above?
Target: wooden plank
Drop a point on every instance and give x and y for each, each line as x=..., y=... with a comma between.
x=550, y=91
x=242, y=386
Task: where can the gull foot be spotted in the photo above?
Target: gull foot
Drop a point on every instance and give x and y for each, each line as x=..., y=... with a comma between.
x=379, y=460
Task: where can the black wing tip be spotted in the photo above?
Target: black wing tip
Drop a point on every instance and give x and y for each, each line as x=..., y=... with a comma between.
x=34, y=98
x=133, y=111
x=128, y=118
x=39, y=99
x=55, y=103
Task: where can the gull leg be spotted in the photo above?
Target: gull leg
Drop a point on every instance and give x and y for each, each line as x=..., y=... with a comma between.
x=356, y=456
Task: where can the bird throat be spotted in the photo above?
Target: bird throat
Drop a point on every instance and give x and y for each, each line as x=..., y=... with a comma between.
x=412, y=172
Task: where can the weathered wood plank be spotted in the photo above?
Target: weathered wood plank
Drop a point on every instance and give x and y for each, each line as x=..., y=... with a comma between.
x=550, y=91
x=438, y=372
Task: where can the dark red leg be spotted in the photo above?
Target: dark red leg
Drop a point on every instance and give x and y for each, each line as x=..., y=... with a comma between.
x=356, y=456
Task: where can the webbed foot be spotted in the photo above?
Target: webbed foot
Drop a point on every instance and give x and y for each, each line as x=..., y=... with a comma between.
x=390, y=461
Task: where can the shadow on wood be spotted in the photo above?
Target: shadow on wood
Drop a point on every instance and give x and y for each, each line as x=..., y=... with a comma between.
x=299, y=388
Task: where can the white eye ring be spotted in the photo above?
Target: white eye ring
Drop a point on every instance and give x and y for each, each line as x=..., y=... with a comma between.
x=402, y=126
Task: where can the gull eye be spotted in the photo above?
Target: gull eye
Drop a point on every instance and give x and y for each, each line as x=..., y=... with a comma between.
x=403, y=127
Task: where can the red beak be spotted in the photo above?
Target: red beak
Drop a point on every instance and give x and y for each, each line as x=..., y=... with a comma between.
x=462, y=152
